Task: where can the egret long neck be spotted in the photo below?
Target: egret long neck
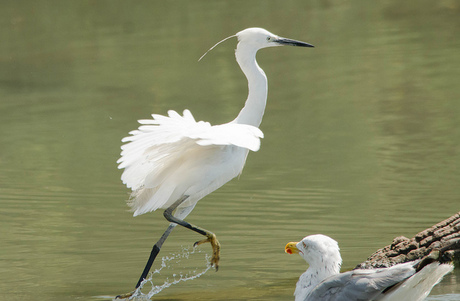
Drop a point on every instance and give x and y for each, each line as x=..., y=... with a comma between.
x=254, y=108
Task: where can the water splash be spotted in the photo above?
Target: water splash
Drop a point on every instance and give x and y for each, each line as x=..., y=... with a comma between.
x=169, y=262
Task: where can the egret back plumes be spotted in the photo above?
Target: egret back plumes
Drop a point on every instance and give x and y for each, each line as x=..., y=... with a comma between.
x=169, y=157
x=171, y=162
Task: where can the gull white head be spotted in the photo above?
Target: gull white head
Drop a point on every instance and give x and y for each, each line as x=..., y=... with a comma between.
x=318, y=250
x=322, y=253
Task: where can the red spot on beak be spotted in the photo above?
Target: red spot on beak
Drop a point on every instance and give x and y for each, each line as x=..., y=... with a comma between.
x=289, y=251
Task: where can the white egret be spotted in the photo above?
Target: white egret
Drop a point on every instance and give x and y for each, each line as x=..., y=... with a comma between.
x=323, y=281
x=171, y=162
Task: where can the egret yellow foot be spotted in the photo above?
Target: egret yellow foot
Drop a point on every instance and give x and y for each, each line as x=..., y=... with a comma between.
x=211, y=238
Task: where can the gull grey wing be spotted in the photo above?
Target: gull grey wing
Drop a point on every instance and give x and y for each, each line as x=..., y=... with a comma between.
x=360, y=284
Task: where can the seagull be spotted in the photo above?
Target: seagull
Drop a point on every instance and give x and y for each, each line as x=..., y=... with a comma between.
x=323, y=281
x=171, y=162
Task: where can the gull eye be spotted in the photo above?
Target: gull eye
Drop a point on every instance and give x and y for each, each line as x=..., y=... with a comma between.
x=269, y=38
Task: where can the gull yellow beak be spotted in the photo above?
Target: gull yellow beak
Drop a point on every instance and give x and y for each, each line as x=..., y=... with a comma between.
x=291, y=248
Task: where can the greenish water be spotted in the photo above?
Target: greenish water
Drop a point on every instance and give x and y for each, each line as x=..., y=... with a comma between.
x=362, y=138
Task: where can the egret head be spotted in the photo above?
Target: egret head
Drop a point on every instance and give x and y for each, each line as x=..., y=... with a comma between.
x=261, y=38
x=316, y=249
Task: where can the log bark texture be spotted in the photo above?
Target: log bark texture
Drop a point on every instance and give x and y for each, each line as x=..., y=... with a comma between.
x=444, y=235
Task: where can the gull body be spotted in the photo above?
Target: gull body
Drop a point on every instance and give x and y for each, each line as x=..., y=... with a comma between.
x=171, y=162
x=323, y=280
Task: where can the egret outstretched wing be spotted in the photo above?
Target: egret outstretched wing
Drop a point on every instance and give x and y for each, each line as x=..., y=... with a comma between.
x=156, y=152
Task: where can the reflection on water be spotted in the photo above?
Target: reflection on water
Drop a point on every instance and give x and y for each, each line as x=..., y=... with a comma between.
x=362, y=137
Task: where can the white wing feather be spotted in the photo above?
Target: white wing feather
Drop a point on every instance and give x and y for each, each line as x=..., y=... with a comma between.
x=241, y=135
x=166, y=148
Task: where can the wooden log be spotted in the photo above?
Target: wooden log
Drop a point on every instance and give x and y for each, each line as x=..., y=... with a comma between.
x=444, y=235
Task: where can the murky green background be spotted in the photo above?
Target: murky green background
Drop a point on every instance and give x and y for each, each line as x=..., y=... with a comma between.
x=362, y=137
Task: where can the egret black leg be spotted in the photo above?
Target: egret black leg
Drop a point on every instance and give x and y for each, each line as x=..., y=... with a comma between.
x=210, y=237
x=153, y=254
x=168, y=214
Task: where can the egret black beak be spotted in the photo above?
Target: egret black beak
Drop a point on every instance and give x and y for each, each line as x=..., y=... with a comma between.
x=284, y=41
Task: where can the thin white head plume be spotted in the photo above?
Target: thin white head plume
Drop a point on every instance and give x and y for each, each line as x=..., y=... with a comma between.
x=216, y=45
